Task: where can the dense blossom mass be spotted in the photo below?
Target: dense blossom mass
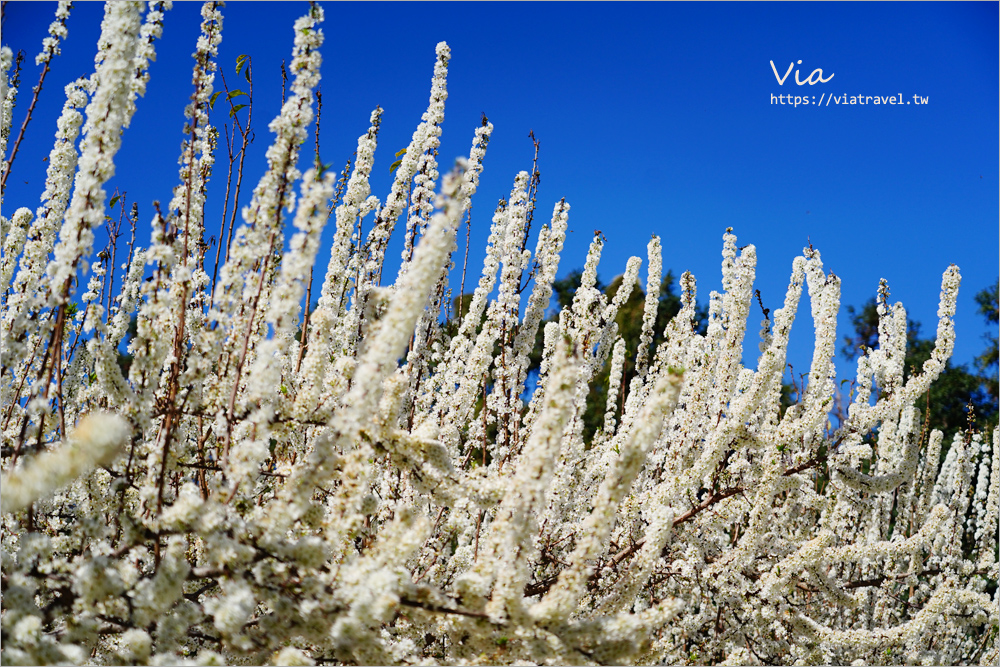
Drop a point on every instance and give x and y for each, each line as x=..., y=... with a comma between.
x=370, y=482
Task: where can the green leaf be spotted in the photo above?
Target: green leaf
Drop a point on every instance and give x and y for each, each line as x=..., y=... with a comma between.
x=246, y=73
x=395, y=165
x=235, y=93
x=211, y=102
x=114, y=200
x=232, y=112
x=240, y=61
x=401, y=152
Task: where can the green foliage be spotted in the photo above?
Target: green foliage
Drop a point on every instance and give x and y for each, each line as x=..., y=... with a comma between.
x=460, y=306
x=395, y=165
x=125, y=359
x=240, y=62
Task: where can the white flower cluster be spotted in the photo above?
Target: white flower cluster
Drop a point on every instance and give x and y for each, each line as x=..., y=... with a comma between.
x=57, y=32
x=368, y=486
x=8, y=96
x=96, y=440
x=40, y=239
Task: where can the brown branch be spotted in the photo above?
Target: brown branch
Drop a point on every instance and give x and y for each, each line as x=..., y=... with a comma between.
x=230, y=410
x=246, y=138
x=180, y=349
x=877, y=581
x=811, y=463
x=708, y=502
x=539, y=587
x=27, y=119
x=427, y=606
x=542, y=586
x=305, y=322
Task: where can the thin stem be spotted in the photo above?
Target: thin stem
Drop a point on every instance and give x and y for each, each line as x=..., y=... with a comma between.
x=24, y=125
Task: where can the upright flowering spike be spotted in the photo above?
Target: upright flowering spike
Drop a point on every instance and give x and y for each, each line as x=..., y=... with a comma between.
x=652, y=301
x=8, y=96
x=57, y=32
x=283, y=311
x=614, y=379
x=559, y=602
x=13, y=244
x=50, y=48
x=248, y=276
x=550, y=243
x=425, y=167
x=517, y=517
x=333, y=296
x=152, y=28
x=62, y=161
x=260, y=235
x=106, y=115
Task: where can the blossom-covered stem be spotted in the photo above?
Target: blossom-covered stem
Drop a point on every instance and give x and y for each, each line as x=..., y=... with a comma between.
x=188, y=205
x=990, y=513
x=106, y=116
x=547, y=252
x=13, y=244
x=57, y=32
x=42, y=235
x=425, y=134
x=354, y=205
x=426, y=162
x=429, y=326
x=283, y=310
x=516, y=519
x=558, y=603
x=246, y=276
x=653, y=274
x=614, y=379
x=8, y=94
x=245, y=346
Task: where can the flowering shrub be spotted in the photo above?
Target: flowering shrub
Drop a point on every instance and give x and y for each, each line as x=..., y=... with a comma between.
x=365, y=484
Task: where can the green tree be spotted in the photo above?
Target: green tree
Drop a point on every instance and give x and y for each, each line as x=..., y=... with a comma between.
x=125, y=358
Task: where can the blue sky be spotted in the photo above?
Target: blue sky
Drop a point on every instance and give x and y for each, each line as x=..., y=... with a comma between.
x=652, y=118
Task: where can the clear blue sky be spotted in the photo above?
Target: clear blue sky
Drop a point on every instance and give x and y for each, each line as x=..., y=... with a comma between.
x=652, y=118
